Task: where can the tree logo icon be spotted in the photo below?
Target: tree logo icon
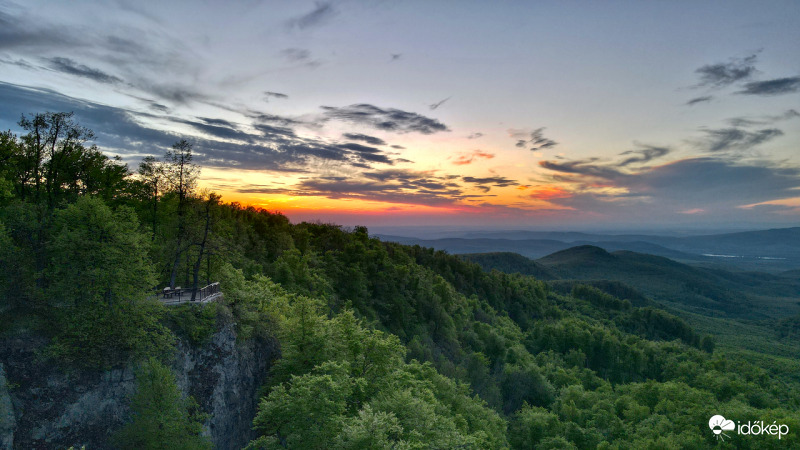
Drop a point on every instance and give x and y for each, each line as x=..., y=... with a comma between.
x=719, y=425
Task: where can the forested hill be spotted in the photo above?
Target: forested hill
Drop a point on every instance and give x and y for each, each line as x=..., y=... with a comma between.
x=382, y=345
x=714, y=292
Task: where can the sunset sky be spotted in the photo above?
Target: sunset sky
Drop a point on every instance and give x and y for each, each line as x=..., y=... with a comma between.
x=458, y=113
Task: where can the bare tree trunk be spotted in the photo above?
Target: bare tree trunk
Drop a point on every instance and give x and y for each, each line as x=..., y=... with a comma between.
x=202, y=248
x=177, y=259
x=155, y=212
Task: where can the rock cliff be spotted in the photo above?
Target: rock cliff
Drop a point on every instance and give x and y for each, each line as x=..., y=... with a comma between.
x=43, y=407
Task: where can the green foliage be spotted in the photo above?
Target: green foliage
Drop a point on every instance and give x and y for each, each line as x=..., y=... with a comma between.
x=98, y=256
x=340, y=382
x=382, y=345
x=162, y=417
x=8, y=260
x=789, y=328
x=102, y=338
x=196, y=323
x=98, y=277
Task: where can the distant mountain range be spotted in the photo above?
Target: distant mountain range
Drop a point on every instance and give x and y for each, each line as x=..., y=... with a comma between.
x=774, y=250
x=713, y=292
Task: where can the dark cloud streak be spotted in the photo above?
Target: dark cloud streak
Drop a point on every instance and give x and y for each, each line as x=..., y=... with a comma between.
x=364, y=138
x=696, y=100
x=645, y=154
x=386, y=119
x=22, y=33
x=763, y=120
x=278, y=95
x=724, y=74
x=66, y=65
x=737, y=139
x=534, y=140
x=586, y=167
x=322, y=12
x=434, y=106
x=777, y=86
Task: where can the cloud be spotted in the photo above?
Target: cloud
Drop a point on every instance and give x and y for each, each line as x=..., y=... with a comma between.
x=715, y=181
x=404, y=186
x=219, y=129
x=175, y=93
x=485, y=184
x=777, y=86
x=23, y=32
x=66, y=65
x=274, y=132
x=436, y=105
x=547, y=192
x=409, y=192
x=367, y=153
x=494, y=181
x=737, y=139
x=468, y=157
x=763, y=120
x=386, y=119
x=645, y=153
x=114, y=127
x=140, y=53
x=322, y=12
x=152, y=104
x=392, y=185
x=218, y=143
x=696, y=100
x=19, y=62
x=278, y=95
x=475, y=135
x=724, y=74
x=789, y=205
x=296, y=54
x=219, y=122
x=364, y=138
x=534, y=140
x=716, y=187
x=587, y=167
x=272, y=118
x=404, y=175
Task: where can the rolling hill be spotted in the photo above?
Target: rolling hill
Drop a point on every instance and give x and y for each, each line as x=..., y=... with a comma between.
x=774, y=250
x=712, y=292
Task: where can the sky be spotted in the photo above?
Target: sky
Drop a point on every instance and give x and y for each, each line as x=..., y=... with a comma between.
x=524, y=115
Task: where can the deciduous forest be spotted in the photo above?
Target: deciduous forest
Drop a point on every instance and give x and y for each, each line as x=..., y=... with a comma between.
x=382, y=345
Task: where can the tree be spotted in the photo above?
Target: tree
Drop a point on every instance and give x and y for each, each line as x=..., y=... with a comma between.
x=306, y=413
x=98, y=256
x=54, y=155
x=9, y=155
x=99, y=277
x=162, y=417
x=209, y=204
x=152, y=174
x=8, y=260
x=182, y=177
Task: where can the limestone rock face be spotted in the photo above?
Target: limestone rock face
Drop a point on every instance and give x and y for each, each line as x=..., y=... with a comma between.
x=43, y=407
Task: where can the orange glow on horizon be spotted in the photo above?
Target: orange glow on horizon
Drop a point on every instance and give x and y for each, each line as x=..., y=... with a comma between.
x=548, y=192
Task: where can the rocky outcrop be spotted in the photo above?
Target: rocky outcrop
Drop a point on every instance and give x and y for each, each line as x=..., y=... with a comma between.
x=42, y=407
x=224, y=378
